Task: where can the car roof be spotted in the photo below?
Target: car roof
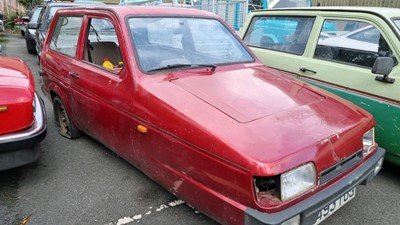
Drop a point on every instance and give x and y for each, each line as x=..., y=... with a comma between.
x=381, y=11
x=127, y=10
x=77, y=3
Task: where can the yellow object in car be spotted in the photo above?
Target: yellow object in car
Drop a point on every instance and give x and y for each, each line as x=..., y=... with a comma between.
x=107, y=64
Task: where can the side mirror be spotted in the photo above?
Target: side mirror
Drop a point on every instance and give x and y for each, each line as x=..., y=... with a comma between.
x=383, y=66
x=33, y=25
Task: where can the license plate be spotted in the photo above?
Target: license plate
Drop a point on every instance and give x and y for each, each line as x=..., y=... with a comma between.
x=334, y=206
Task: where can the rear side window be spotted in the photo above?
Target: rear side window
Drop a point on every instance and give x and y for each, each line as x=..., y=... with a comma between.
x=280, y=33
x=353, y=42
x=65, y=35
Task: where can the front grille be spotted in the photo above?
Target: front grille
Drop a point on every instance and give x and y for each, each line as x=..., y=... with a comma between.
x=340, y=167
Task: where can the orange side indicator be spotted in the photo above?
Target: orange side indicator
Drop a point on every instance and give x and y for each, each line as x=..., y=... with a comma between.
x=3, y=108
x=142, y=129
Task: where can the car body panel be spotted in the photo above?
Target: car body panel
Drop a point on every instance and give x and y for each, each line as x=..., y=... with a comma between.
x=22, y=115
x=355, y=83
x=203, y=132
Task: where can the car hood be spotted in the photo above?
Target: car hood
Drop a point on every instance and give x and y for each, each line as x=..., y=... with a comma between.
x=266, y=119
x=246, y=95
x=14, y=73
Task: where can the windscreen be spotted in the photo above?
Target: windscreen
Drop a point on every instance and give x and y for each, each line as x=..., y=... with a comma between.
x=162, y=42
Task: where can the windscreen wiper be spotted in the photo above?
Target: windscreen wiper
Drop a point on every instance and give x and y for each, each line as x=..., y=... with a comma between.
x=174, y=66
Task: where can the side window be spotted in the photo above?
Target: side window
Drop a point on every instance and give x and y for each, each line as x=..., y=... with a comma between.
x=286, y=34
x=65, y=35
x=102, y=46
x=353, y=42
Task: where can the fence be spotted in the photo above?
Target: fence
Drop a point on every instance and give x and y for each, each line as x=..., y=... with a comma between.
x=374, y=3
x=232, y=11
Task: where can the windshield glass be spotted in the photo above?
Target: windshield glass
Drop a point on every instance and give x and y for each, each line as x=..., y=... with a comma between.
x=35, y=15
x=397, y=22
x=167, y=42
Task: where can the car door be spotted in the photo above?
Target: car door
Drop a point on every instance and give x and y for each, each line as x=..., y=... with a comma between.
x=103, y=96
x=277, y=40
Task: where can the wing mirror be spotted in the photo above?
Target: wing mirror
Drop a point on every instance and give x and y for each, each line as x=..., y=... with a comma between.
x=32, y=25
x=383, y=66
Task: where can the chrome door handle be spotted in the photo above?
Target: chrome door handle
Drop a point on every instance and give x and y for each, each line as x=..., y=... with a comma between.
x=72, y=74
x=303, y=69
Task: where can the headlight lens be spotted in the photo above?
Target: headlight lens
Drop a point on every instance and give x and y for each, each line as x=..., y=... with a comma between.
x=298, y=181
x=368, y=141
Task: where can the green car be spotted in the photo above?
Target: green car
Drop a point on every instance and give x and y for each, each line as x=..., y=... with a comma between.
x=358, y=60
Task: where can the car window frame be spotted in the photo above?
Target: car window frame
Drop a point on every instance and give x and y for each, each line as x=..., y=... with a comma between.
x=359, y=19
x=254, y=18
x=83, y=45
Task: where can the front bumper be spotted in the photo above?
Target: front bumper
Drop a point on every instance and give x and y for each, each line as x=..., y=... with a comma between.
x=21, y=148
x=310, y=207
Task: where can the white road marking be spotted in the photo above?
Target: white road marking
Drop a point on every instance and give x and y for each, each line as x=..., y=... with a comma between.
x=127, y=219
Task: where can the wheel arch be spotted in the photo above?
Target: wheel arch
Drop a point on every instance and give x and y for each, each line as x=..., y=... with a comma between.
x=55, y=91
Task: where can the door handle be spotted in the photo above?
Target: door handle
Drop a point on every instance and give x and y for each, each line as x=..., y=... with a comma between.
x=72, y=74
x=303, y=69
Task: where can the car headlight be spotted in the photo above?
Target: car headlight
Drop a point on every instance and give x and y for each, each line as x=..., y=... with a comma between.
x=298, y=181
x=368, y=141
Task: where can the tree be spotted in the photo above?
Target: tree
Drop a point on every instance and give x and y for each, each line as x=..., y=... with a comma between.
x=29, y=3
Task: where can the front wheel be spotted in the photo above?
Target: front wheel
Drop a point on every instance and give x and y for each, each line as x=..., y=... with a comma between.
x=65, y=126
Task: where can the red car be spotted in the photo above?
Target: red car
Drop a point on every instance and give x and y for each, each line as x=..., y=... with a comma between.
x=177, y=94
x=22, y=115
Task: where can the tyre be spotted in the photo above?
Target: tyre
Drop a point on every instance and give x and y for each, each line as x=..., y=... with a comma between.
x=65, y=126
x=30, y=46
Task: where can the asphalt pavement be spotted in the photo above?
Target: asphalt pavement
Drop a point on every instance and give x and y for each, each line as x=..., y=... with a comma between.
x=82, y=182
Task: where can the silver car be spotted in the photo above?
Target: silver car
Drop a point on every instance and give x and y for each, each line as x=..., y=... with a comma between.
x=1, y=25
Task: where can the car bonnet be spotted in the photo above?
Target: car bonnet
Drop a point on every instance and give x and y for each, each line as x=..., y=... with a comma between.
x=247, y=94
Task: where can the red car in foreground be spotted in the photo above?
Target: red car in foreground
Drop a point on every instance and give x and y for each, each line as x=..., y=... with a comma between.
x=177, y=94
x=22, y=115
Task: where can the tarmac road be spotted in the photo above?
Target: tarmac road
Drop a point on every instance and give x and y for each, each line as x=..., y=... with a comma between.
x=82, y=182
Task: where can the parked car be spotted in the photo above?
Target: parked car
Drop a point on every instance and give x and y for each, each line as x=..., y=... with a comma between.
x=1, y=22
x=358, y=61
x=30, y=30
x=363, y=39
x=45, y=17
x=22, y=115
x=177, y=94
x=20, y=23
